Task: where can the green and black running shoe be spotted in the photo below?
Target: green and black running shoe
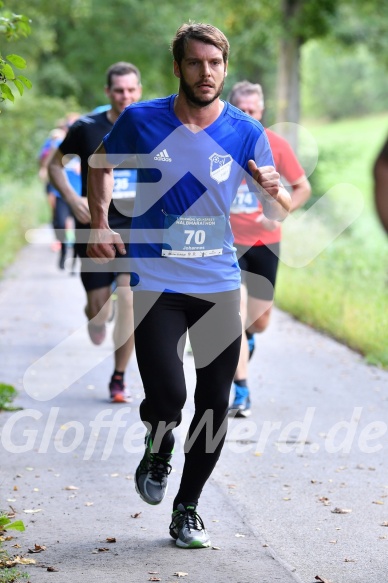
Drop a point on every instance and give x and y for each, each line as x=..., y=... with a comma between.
x=152, y=473
x=188, y=529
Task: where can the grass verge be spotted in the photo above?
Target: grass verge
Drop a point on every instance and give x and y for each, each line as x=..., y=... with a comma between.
x=343, y=289
x=22, y=206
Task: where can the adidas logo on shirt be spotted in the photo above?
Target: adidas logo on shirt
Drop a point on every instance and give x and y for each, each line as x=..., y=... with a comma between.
x=163, y=156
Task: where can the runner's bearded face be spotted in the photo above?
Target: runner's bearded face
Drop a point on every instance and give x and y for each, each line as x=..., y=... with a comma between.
x=202, y=73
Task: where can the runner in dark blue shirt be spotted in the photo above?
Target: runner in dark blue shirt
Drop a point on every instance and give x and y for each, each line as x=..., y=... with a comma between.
x=192, y=151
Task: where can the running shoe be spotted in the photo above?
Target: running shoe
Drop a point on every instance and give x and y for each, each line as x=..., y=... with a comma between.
x=97, y=332
x=118, y=394
x=241, y=406
x=251, y=343
x=188, y=529
x=152, y=473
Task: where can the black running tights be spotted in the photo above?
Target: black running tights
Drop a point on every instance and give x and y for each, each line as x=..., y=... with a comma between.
x=161, y=324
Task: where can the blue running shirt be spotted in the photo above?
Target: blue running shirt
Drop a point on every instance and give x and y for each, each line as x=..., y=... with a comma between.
x=181, y=239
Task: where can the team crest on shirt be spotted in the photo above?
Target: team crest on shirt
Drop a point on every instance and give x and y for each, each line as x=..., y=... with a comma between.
x=220, y=167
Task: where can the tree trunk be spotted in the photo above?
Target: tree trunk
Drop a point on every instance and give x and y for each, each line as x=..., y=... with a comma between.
x=288, y=81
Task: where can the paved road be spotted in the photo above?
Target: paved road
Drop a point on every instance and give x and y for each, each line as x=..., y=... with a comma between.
x=301, y=489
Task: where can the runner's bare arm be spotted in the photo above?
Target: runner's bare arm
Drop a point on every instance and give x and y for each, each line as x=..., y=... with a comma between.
x=301, y=192
x=273, y=196
x=59, y=180
x=380, y=174
x=103, y=242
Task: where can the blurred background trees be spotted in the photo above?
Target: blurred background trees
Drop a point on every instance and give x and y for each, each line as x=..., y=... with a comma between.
x=314, y=58
x=322, y=64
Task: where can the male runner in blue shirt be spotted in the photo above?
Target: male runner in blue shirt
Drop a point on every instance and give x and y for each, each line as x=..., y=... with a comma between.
x=192, y=151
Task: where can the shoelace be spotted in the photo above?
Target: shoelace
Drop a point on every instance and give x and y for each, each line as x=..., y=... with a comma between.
x=190, y=518
x=158, y=467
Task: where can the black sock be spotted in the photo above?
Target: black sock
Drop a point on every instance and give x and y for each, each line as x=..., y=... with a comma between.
x=185, y=504
x=166, y=444
x=242, y=383
x=118, y=376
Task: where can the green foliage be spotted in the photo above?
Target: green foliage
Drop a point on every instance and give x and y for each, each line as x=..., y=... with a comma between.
x=343, y=291
x=6, y=524
x=363, y=22
x=341, y=82
x=9, y=575
x=7, y=395
x=25, y=129
x=23, y=206
x=306, y=19
x=12, y=26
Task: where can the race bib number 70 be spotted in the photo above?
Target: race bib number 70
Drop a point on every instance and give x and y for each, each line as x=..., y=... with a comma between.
x=189, y=237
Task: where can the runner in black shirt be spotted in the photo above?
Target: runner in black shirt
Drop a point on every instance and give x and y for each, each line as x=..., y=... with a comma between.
x=122, y=89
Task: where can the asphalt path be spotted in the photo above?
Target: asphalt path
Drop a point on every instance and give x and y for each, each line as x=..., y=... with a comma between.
x=300, y=491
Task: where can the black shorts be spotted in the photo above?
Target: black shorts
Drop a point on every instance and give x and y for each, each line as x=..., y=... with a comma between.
x=93, y=275
x=259, y=261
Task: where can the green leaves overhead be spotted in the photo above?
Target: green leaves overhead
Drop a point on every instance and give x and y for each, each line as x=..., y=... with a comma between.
x=12, y=26
x=17, y=61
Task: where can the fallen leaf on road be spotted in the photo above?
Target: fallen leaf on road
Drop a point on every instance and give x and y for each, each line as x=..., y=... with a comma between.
x=33, y=511
x=216, y=548
x=378, y=502
x=137, y=515
x=325, y=500
x=102, y=550
x=180, y=574
x=350, y=560
x=15, y=488
x=71, y=488
x=37, y=549
x=20, y=561
x=154, y=579
x=111, y=539
x=17, y=546
x=341, y=510
x=384, y=523
x=322, y=579
x=52, y=569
